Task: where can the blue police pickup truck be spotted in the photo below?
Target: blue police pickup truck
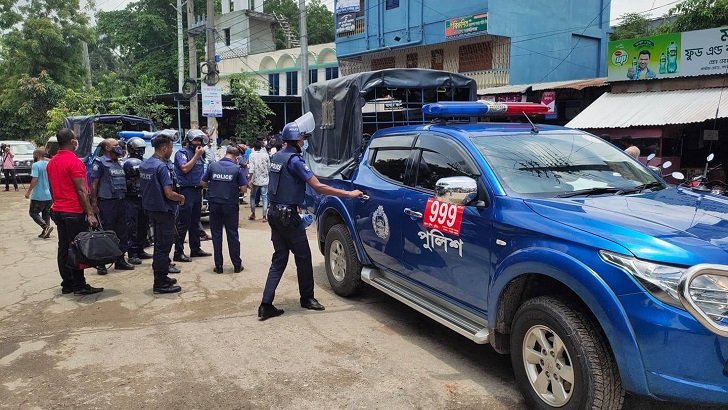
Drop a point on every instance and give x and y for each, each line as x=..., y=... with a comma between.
x=548, y=243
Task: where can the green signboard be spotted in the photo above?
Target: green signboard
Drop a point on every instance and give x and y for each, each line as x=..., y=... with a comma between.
x=466, y=26
x=692, y=53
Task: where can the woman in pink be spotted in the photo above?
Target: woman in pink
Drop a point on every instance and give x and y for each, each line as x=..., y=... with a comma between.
x=8, y=167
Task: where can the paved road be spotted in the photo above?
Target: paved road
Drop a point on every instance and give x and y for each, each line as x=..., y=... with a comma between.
x=204, y=348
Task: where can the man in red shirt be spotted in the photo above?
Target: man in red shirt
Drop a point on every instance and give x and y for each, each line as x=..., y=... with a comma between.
x=71, y=210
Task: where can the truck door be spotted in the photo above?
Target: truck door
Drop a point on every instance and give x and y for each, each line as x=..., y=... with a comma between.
x=384, y=173
x=456, y=264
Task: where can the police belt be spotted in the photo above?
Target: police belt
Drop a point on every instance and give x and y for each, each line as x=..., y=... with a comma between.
x=190, y=187
x=287, y=215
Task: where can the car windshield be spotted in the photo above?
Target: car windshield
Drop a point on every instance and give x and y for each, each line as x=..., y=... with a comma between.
x=22, y=149
x=549, y=165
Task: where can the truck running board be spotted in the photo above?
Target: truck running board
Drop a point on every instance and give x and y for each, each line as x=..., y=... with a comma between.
x=475, y=331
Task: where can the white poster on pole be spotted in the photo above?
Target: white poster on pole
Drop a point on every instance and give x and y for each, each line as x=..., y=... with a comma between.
x=211, y=100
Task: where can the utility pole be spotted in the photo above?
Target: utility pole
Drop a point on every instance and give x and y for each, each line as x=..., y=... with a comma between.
x=86, y=63
x=211, y=63
x=194, y=116
x=180, y=61
x=304, y=45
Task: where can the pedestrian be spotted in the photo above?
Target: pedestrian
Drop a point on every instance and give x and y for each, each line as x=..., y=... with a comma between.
x=71, y=209
x=224, y=179
x=289, y=175
x=136, y=219
x=633, y=152
x=108, y=197
x=39, y=194
x=189, y=168
x=8, y=165
x=160, y=202
x=258, y=169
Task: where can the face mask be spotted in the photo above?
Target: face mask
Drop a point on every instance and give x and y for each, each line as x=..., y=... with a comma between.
x=305, y=145
x=118, y=150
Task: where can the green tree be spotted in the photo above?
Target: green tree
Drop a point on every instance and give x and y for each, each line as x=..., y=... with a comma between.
x=697, y=15
x=254, y=113
x=319, y=20
x=26, y=109
x=633, y=25
x=44, y=35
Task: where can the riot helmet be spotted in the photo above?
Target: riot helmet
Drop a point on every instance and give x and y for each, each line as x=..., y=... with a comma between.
x=291, y=132
x=168, y=135
x=131, y=167
x=135, y=147
x=196, y=134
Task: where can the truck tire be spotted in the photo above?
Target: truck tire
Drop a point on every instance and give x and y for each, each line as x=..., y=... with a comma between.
x=342, y=264
x=561, y=360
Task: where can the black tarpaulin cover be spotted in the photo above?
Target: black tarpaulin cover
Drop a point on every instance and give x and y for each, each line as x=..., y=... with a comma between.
x=337, y=109
x=83, y=127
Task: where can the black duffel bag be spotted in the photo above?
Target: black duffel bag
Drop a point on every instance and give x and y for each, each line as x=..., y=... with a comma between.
x=94, y=248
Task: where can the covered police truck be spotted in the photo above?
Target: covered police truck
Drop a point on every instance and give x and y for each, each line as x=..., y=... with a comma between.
x=548, y=243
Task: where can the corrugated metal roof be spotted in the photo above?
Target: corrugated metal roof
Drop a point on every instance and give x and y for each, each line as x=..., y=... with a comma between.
x=652, y=108
x=574, y=84
x=554, y=85
x=506, y=89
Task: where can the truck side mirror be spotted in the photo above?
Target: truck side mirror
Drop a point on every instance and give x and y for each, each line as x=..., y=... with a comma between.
x=456, y=190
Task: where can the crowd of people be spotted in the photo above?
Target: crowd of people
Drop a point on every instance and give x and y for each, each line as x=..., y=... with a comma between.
x=157, y=200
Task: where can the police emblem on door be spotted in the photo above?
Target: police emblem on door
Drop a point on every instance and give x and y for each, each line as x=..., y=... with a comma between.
x=380, y=223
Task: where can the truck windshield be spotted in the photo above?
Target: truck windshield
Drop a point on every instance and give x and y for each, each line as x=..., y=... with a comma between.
x=550, y=165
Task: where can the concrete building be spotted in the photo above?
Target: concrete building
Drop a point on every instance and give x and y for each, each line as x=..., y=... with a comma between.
x=279, y=71
x=496, y=42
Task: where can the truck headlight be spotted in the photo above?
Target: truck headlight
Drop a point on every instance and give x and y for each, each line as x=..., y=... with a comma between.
x=660, y=280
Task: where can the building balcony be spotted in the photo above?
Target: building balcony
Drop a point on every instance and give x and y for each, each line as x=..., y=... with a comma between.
x=489, y=78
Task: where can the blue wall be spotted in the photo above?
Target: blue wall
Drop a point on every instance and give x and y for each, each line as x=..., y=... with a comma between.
x=543, y=33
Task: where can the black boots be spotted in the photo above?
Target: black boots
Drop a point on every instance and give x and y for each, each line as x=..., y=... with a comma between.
x=267, y=310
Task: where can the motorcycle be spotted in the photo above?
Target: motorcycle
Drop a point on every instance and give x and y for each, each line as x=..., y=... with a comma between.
x=679, y=176
x=700, y=183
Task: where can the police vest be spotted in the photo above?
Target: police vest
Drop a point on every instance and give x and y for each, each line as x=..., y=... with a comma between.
x=224, y=184
x=112, y=181
x=131, y=172
x=153, y=198
x=193, y=177
x=284, y=187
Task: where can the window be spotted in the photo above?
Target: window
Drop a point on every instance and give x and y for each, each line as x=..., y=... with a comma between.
x=437, y=59
x=392, y=4
x=292, y=83
x=412, y=60
x=441, y=158
x=312, y=76
x=332, y=72
x=432, y=167
x=475, y=57
x=391, y=163
x=382, y=63
x=274, y=84
x=227, y=36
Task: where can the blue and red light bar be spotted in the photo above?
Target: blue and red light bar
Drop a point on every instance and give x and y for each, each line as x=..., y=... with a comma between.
x=131, y=134
x=482, y=108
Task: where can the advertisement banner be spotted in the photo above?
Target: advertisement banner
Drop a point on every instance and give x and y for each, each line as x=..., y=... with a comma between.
x=347, y=6
x=466, y=26
x=211, y=100
x=345, y=23
x=548, y=98
x=692, y=53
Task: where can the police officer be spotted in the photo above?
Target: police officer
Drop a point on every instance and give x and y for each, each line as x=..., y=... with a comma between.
x=224, y=179
x=160, y=201
x=189, y=167
x=137, y=221
x=108, y=190
x=289, y=175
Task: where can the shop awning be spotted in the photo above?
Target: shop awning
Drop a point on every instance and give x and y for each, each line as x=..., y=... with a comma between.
x=652, y=108
x=554, y=85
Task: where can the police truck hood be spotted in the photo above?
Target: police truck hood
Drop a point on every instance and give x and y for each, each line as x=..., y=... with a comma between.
x=676, y=225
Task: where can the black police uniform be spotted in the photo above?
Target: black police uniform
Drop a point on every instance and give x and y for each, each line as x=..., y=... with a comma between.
x=155, y=174
x=286, y=190
x=188, y=219
x=137, y=221
x=110, y=193
x=225, y=179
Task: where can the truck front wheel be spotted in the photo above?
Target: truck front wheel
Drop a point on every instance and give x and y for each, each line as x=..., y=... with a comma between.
x=561, y=360
x=342, y=265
